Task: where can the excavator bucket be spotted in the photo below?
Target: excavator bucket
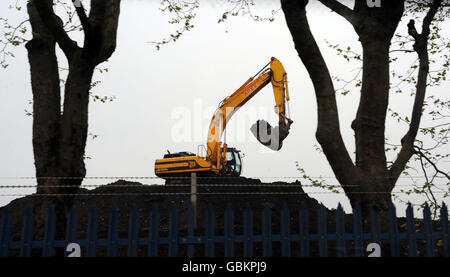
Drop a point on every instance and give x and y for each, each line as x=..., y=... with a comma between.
x=269, y=136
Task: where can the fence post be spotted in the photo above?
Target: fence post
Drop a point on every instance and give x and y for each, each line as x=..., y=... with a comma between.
x=190, y=234
x=27, y=236
x=375, y=226
x=154, y=233
x=173, y=232
x=248, y=232
x=194, y=196
x=304, y=232
x=229, y=231
x=133, y=232
x=340, y=231
x=323, y=247
x=6, y=233
x=92, y=233
x=112, y=233
x=357, y=230
x=411, y=231
x=209, y=243
x=445, y=231
x=428, y=231
x=393, y=231
x=267, y=232
x=49, y=233
x=285, y=232
x=71, y=227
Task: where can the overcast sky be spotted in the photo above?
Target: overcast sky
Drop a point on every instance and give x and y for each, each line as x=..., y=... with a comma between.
x=164, y=99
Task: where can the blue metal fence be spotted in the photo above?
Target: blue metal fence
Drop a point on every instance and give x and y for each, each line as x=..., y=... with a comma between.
x=228, y=239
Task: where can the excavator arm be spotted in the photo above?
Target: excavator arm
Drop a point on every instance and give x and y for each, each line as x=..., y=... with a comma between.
x=271, y=137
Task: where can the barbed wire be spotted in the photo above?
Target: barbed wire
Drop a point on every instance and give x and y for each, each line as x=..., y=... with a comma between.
x=189, y=185
x=210, y=193
x=333, y=189
x=176, y=178
x=198, y=193
x=172, y=185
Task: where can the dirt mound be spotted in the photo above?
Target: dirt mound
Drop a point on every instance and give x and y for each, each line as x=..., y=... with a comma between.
x=123, y=195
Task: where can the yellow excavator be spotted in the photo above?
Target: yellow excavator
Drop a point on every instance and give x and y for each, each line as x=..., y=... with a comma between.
x=221, y=160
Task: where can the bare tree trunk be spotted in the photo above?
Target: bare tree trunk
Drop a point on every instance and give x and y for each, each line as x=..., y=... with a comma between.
x=59, y=136
x=46, y=118
x=369, y=181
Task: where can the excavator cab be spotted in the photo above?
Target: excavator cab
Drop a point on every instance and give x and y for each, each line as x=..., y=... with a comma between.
x=234, y=163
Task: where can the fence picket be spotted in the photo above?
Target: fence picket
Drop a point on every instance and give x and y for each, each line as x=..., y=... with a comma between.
x=92, y=233
x=190, y=227
x=304, y=231
x=173, y=232
x=393, y=231
x=154, y=233
x=49, y=236
x=248, y=232
x=267, y=231
x=375, y=226
x=428, y=231
x=411, y=226
x=71, y=227
x=209, y=243
x=27, y=237
x=113, y=233
x=285, y=232
x=229, y=231
x=445, y=231
x=6, y=233
x=357, y=231
x=340, y=231
x=323, y=247
x=133, y=232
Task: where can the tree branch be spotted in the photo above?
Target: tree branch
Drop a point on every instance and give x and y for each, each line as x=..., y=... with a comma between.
x=79, y=8
x=104, y=19
x=412, y=29
x=420, y=46
x=418, y=151
x=55, y=25
x=328, y=132
x=429, y=17
x=340, y=9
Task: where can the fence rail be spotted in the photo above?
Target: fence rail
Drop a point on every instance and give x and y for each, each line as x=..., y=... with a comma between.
x=285, y=240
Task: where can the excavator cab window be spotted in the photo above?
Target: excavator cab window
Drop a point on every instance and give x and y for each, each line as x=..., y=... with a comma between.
x=233, y=162
x=238, y=162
